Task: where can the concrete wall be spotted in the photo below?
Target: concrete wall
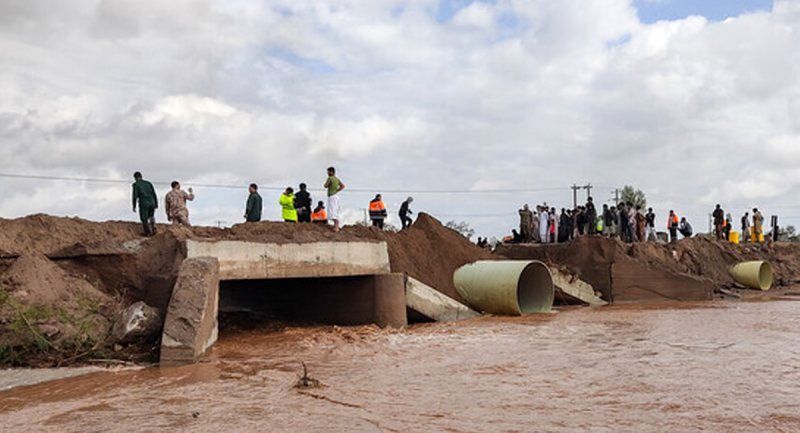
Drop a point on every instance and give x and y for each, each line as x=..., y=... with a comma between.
x=240, y=260
x=190, y=326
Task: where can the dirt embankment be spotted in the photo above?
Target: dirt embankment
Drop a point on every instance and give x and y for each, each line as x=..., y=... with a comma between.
x=692, y=269
x=64, y=281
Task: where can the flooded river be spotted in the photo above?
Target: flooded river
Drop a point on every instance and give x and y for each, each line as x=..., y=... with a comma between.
x=726, y=367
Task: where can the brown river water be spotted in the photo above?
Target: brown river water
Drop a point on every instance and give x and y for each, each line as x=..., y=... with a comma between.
x=715, y=367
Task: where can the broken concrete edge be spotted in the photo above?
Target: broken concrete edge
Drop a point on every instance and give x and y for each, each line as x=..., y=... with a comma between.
x=190, y=325
x=433, y=304
x=574, y=289
x=243, y=260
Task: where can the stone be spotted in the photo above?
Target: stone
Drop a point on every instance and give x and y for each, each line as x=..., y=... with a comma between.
x=190, y=327
x=137, y=322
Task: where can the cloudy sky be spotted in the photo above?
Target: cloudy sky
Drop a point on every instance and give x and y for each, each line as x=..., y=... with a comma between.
x=472, y=107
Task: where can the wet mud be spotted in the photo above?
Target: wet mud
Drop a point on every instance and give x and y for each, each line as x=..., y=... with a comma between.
x=712, y=367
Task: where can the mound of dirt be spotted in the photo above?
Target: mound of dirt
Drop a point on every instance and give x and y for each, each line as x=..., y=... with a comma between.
x=45, y=309
x=282, y=233
x=431, y=252
x=44, y=233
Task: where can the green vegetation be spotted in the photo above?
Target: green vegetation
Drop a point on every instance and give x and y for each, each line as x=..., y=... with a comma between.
x=635, y=196
x=23, y=342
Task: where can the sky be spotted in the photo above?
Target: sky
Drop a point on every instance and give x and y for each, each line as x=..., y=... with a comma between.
x=474, y=108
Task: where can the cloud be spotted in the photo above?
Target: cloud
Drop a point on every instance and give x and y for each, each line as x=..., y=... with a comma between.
x=507, y=94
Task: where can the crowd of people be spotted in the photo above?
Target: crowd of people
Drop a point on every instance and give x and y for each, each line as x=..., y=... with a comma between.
x=296, y=207
x=626, y=221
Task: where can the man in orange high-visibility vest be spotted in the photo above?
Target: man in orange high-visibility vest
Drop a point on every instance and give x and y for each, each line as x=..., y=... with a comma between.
x=672, y=226
x=377, y=211
x=319, y=216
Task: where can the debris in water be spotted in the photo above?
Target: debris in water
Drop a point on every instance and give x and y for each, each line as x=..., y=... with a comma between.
x=306, y=381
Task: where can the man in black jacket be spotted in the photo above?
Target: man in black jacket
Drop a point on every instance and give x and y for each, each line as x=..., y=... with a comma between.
x=302, y=202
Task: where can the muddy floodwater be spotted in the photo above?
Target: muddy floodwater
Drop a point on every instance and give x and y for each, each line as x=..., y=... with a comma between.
x=716, y=367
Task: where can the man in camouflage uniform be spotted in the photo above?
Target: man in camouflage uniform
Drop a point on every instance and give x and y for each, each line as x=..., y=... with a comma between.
x=175, y=204
x=145, y=195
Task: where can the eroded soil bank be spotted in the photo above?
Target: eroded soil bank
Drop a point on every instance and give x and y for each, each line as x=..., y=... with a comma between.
x=710, y=367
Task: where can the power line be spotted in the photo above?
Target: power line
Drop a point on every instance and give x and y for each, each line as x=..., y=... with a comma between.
x=281, y=188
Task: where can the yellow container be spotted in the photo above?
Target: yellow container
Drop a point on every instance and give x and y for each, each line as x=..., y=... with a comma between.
x=734, y=238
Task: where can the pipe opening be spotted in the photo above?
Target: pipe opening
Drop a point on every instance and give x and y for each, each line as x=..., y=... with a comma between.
x=535, y=291
x=765, y=275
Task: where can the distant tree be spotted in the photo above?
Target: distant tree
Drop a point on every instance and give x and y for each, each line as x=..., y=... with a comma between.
x=462, y=228
x=788, y=233
x=635, y=196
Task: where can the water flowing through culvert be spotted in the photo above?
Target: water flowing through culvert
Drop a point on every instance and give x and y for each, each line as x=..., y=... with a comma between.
x=712, y=367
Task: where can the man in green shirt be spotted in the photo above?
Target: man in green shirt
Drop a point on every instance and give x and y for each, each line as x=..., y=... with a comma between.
x=334, y=186
x=145, y=194
x=252, y=212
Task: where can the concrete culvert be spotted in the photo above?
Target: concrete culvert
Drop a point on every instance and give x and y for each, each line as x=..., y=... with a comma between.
x=506, y=287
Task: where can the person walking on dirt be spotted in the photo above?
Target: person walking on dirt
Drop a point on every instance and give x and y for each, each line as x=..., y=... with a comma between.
x=685, y=228
x=758, y=225
x=525, y=223
x=302, y=203
x=145, y=195
x=672, y=226
x=650, y=225
x=252, y=211
x=404, y=212
x=175, y=204
x=553, y=226
x=608, y=221
x=719, y=222
x=334, y=187
x=286, y=200
x=377, y=211
x=746, y=227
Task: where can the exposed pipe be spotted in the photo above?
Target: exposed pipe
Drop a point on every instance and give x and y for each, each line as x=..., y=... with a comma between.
x=756, y=275
x=506, y=287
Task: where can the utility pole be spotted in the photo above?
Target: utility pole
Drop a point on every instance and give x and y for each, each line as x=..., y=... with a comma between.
x=575, y=189
x=588, y=188
x=616, y=192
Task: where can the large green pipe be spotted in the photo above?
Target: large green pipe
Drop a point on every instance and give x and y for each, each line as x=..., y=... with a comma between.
x=756, y=275
x=507, y=287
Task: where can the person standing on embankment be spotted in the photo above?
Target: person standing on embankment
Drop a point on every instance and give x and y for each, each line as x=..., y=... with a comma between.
x=252, y=211
x=302, y=203
x=719, y=222
x=334, y=187
x=672, y=226
x=746, y=227
x=145, y=194
x=525, y=223
x=286, y=200
x=377, y=211
x=758, y=225
x=175, y=204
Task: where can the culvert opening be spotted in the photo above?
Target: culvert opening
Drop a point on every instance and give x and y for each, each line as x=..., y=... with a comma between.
x=271, y=304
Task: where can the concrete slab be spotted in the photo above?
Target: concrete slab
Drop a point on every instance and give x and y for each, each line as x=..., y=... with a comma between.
x=435, y=305
x=573, y=289
x=240, y=260
x=190, y=326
